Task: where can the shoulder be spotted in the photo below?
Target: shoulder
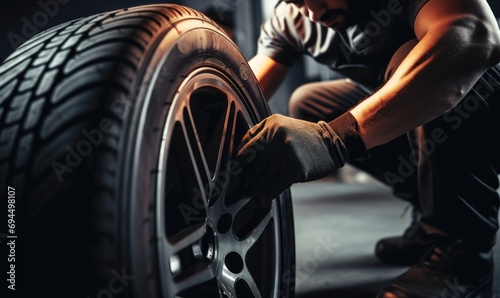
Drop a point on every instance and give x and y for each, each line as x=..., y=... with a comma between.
x=289, y=23
x=289, y=13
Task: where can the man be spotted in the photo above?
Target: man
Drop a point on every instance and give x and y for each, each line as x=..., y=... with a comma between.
x=418, y=108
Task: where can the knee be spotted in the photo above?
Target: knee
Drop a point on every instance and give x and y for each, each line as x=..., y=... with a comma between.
x=299, y=100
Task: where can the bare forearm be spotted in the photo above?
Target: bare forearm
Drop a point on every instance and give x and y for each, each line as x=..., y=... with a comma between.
x=269, y=73
x=437, y=74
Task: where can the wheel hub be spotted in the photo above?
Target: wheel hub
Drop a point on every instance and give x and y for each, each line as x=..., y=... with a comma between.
x=205, y=248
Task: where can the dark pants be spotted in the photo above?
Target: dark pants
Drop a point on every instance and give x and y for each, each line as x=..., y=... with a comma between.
x=446, y=168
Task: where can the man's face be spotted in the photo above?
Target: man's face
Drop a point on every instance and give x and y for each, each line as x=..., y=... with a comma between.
x=329, y=13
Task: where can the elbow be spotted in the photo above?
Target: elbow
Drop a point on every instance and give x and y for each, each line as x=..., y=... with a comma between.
x=494, y=43
x=495, y=57
x=495, y=33
x=480, y=36
x=489, y=35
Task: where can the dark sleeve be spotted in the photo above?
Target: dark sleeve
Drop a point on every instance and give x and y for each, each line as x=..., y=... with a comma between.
x=278, y=36
x=412, y=9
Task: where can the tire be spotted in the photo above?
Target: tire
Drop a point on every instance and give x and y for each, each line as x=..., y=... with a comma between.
x=118, y=133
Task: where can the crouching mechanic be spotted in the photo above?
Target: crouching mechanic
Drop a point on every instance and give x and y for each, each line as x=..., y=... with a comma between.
x=418, y=109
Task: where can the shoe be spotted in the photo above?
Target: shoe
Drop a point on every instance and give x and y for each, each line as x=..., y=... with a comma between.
x=447, y=270
x=406, y=249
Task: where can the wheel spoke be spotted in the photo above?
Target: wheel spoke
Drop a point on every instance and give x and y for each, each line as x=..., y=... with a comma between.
x=196, y=278
x=222, y=175
x=239, y=205
x=197, y=155
x=186, y=237
x=251, y=284
x=227, y=282
x=258, y=231
x=227, y=140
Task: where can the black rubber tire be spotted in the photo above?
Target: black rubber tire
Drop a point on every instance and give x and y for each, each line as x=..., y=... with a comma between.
x=81, y=112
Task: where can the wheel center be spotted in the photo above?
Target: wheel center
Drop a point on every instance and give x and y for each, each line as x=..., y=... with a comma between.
x=205, y=249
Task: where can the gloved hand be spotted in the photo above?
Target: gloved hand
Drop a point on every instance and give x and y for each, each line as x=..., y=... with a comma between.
x=280, y=151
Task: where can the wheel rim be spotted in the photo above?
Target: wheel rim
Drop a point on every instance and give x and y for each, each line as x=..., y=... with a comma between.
x=212, y=242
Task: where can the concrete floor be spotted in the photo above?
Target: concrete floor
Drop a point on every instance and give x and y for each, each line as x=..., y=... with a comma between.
x=337, y=225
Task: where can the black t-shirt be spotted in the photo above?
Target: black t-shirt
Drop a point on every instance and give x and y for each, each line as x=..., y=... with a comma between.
x=366, y=46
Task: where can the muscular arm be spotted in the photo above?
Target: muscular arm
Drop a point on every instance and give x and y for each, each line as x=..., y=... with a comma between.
x=269, y=73
x=458, y=41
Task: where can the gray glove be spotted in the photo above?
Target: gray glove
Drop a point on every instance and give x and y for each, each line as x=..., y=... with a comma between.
x=280, y=151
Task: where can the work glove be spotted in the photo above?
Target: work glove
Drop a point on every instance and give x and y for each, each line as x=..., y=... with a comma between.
x=280, y=151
